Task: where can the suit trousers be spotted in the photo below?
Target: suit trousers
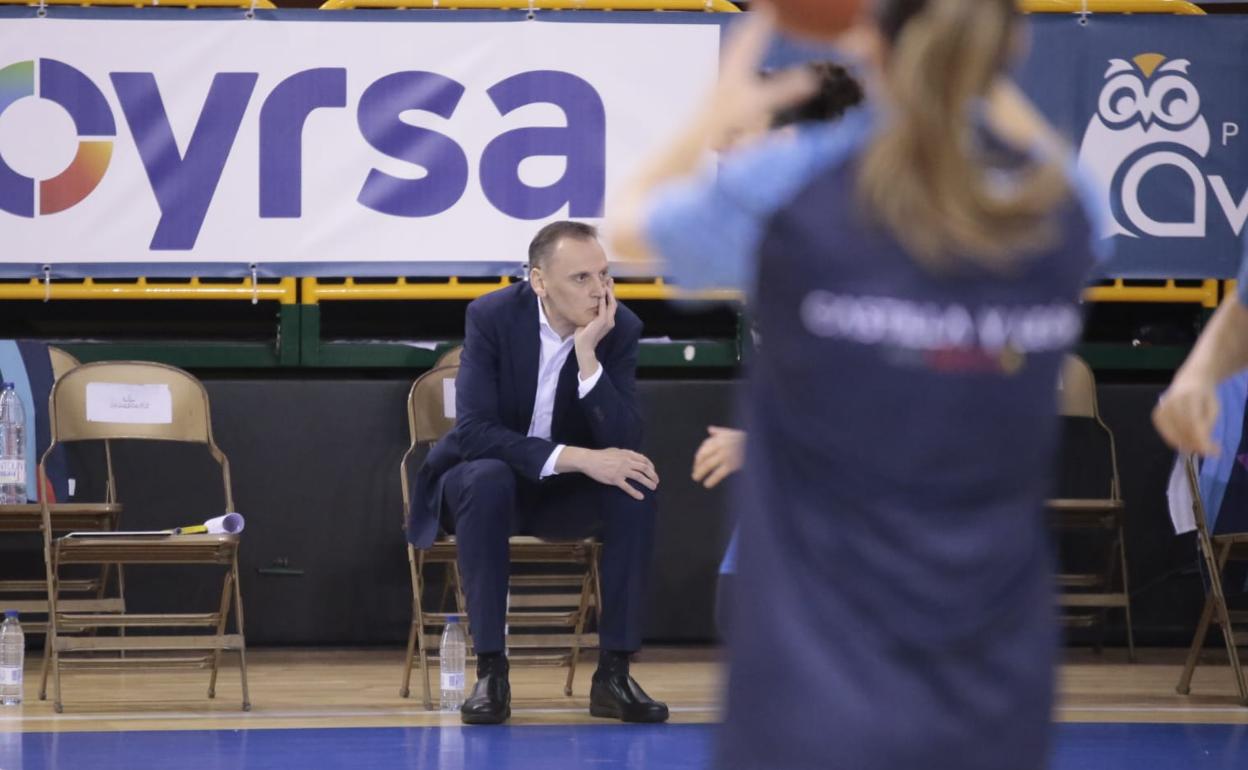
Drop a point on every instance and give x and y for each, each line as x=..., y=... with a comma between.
x=484, y=503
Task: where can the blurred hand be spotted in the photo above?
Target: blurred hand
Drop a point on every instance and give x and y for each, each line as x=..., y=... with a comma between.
x=1184, y=416
x=741, y=99
x=738, y=103
x=722, y=453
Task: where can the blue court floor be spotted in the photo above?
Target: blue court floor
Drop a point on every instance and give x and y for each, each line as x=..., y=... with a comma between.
x=607, y=747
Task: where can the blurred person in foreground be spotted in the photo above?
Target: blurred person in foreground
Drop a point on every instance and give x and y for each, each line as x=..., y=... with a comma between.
x=917, y=268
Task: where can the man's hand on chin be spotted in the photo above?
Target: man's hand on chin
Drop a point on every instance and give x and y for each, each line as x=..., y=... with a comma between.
x=588, y=336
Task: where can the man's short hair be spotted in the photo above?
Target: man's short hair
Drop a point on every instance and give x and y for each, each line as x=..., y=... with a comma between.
x=544, y=243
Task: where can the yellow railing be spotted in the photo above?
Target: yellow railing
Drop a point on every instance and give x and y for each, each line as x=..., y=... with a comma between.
x=1206, y=293
x=316, y=291
x=284, y=291
x=1179, y=7
x=266, y=5
x=719, y=6
x=657, y=288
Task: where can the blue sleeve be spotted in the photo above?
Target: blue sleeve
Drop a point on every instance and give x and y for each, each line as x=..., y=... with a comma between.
x=1228, y=431
x=708, y=229
x=1098, y=216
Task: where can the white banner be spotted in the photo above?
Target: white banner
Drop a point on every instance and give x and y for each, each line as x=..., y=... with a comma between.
x=265, y=141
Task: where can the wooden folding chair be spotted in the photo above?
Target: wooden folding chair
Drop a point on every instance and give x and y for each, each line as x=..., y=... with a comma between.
x=1090, y=501
x=538, y=602
x=110, y=401
x=1216, y=551
x=450, y=357
x=62, y=361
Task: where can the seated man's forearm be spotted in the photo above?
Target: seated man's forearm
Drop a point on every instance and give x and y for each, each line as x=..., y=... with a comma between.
x=481, y=439
x=586, y=362
x=571, y=460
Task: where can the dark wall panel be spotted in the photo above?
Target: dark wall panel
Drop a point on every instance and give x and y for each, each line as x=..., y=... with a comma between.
x=315, y=472
x=315, y=468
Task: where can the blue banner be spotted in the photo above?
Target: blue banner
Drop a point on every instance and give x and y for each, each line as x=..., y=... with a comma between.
x=1157, y=111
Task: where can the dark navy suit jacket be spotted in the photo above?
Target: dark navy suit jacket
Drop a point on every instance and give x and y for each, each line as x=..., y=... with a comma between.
x=494, y=397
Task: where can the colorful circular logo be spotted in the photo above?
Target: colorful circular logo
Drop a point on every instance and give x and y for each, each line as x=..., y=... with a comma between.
x=93, y=120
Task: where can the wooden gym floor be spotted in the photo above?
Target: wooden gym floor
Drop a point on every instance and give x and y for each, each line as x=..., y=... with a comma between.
x=323, y=710
x=358, y=688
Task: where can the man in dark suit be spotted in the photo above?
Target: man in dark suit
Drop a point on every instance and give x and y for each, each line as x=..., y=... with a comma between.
x=545, y=443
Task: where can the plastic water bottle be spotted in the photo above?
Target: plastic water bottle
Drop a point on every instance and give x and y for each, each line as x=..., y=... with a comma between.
x=12, y=655
x=12, y=447
x=452, y=653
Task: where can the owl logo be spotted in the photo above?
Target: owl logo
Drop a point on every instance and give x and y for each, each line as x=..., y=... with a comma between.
x=1148, y=115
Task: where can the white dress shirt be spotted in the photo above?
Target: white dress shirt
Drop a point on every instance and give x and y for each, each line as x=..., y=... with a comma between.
x=554, y=353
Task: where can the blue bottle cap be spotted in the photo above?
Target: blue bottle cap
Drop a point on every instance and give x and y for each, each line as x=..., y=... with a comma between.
x=10, y=614
x=452, y=619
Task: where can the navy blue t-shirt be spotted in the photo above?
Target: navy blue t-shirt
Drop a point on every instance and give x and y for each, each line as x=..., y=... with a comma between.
x=893, y=551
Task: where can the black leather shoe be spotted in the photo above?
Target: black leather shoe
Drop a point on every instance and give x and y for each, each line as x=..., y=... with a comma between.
x=490, y=702
x=616, y=695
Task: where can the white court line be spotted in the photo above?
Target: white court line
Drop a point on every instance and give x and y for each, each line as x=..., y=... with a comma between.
x=262, y=715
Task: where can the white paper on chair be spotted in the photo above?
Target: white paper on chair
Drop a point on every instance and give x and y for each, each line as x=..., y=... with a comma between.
x=448, y=398
x=119, y=402
x=1179, y=495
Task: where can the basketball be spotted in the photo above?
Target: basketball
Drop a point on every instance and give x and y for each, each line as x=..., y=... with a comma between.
x=817, y=18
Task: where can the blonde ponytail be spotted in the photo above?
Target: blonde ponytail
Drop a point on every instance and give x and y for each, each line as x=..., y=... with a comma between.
x=924, y=178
